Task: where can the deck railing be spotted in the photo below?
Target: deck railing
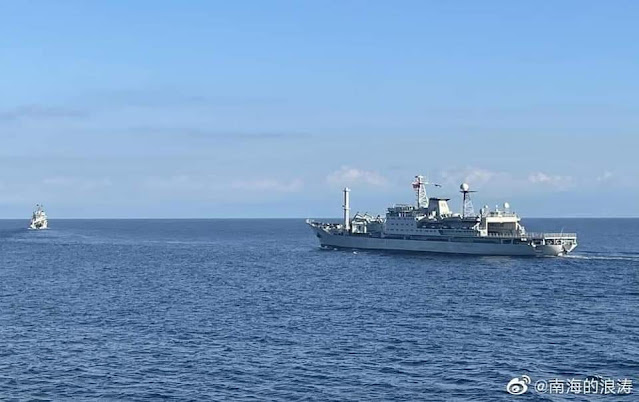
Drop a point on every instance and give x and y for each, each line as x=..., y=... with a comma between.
x=562, y=235
x=469, y=233
x=534, y=235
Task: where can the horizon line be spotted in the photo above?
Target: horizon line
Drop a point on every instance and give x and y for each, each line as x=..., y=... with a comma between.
x=291, y=218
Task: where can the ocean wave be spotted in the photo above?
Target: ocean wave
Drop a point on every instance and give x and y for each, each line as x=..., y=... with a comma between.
x=605, y=257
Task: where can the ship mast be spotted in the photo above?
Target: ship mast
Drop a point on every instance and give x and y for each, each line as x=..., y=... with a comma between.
x=467, y=203
x=419, y=185
x=347, y=209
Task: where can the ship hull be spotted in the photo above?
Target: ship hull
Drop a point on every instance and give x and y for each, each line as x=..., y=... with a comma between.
x=330, y=240
x=39, y=225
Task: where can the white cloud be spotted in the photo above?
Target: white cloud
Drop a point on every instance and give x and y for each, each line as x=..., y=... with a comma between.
x=605, y=177
x=476, y=177
x=215, y=186
x=39, y=112
x=557, y=181
x=173, y=182
x=495, y=181
x=347, y=175
x=77, y=182
x=269, y=185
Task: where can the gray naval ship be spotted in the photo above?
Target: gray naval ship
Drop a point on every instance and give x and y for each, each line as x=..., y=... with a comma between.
x=430, y=226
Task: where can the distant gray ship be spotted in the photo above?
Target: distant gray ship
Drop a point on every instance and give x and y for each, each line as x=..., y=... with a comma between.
x=430, y=226
x=39, y=219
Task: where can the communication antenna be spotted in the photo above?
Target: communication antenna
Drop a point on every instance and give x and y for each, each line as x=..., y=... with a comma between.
x=419, y=185
x=467, y=203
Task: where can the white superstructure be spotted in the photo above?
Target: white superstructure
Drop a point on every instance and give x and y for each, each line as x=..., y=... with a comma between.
x=431, y=226
x=38, y=219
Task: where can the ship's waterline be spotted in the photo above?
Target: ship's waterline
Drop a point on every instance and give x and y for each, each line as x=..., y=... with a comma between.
x=430, y=226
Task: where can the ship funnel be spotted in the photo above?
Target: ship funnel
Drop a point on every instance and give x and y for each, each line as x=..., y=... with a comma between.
x=347, y=208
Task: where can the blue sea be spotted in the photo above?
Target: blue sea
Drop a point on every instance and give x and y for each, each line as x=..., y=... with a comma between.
x=194, y=310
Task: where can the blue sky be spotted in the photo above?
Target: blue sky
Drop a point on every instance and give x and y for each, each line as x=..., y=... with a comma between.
x=267, y=109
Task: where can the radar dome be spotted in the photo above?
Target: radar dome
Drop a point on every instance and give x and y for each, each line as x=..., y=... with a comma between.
x=464, y=187
x=506, y=205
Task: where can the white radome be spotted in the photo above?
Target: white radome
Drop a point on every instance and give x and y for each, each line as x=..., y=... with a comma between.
x=506, y=205
x=464, y=187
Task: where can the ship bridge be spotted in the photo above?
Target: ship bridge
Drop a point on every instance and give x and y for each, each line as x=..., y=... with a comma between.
x=438, y=207
x=500, y=223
